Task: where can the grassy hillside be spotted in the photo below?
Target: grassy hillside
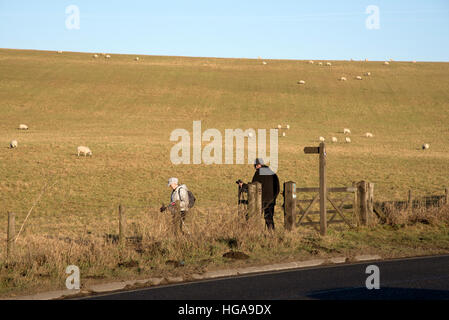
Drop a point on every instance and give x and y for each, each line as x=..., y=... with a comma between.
x=125, y=110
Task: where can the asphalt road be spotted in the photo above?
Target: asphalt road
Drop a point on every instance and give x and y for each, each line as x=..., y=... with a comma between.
x=413, y=278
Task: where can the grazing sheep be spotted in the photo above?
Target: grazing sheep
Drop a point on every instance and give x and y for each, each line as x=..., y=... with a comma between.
x=288, y=126
x=23, y=127
x=320, y=63
x=322, y=139
x=264, y=63
x=13, y=144
x=301, y=82
x=368, y=135
x=283, y=134
x=311, y=62
x=84, y=150
x=367, y=74
x=346, y=131
x=425, y=146
x=358, y=78
x=348, y=140
x=386, y=63
x=328, y=64
x=95, y=56
x=334, y=139
x=414, y=61
x=343, y=79
x=279, y=126
x=60, y=52
x=137, y=59
x=108, y=56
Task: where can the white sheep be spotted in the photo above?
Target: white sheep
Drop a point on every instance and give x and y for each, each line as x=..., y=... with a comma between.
x=23, y=127
x=279, y=126
x=283, y=134
x=84, y=150
x=334, y=139
x=367, y=74
x=320, y=63
x=301, y=82
x=322, y=139
x=95, y=56
x=264, y=63
x=386, y=63
x=108, y=56
x=59, y=51
x=137, y=59
x=288, y=126
x=311, y=62
x=358, y=78
x=348, y=140
x=13, y=144
x=328, y=64
x=369, y=135
x=343, y=79
x=425, y=146
x=414, y=61
x=346, y=131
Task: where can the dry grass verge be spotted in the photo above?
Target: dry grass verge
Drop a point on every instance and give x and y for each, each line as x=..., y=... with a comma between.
x=213, y=239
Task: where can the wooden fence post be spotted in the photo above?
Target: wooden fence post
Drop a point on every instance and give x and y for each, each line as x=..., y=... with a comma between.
x=11, y=234
x=258, y=198
x=252, y=207
x=356, y=203
x=446, y=196
x=122, y=225
x=410, y=201
x=323, y=190
x=370, y=203
x=289, y=205
x=362, y=200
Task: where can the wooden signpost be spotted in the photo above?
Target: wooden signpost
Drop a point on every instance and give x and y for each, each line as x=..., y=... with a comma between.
x=321, y=150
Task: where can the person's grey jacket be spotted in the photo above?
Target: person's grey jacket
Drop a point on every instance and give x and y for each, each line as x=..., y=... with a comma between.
x=180, y=193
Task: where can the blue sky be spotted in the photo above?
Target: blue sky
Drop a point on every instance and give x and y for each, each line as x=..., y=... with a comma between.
x=408, y=30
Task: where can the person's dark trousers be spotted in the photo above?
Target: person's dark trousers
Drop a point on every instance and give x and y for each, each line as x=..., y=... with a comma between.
x=268, y=215
x=178, y=220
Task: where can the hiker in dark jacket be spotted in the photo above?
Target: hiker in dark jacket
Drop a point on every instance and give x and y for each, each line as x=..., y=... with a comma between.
x=270, y=190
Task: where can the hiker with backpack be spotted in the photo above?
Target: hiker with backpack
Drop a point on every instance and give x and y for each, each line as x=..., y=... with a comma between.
x=186, y=201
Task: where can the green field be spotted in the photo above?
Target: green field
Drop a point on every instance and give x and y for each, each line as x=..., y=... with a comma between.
x=125, y=110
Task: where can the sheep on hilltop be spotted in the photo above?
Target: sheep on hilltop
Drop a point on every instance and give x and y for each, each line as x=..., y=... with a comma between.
x=84, y=150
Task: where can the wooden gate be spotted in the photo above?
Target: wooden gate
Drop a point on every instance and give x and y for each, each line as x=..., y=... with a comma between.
x=349, y=205
x=338, y=207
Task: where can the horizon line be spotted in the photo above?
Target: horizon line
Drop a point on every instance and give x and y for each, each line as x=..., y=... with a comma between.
x=211, y=57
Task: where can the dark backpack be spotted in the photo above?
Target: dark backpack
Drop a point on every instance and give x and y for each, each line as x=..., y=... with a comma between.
x=191, y=198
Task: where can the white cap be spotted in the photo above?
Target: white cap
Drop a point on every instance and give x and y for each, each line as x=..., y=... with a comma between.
x=172, y=180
